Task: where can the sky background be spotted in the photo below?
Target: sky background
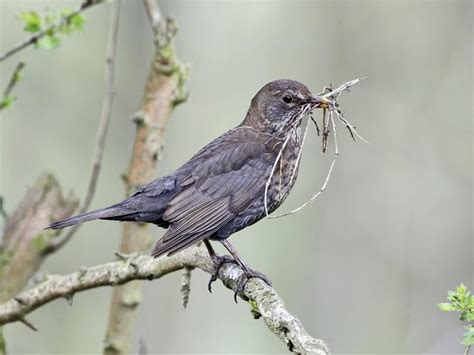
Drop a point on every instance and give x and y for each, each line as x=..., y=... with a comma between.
x=363, y=266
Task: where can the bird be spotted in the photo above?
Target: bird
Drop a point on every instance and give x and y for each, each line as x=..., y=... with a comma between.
x=233, y=182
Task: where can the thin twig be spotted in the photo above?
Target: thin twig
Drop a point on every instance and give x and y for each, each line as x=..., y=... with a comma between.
x=328, y=102
x=64, y=20
x=328, y=176
x=332, y=97
x=350, y=127
x=3, y=213
x=104, y=121
x=325, y=134
x=154, y=14
x=28, y=324
x=14, y=80
x=293, y=173
x=346, y=86
x=315, y=124
x=267, y=184
x=263, y=299
x=290, y=132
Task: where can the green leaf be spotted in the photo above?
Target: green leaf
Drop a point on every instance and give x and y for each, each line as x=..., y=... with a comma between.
x=32, y=21
x=468, y=337
x=77, y=22
x=74, y=23
x=462, y=302
x=461, y=289
x=51, y=17
x=66, y=12
x=17, y=77
x=48, y=42
x=7, y=102
x=446, y=307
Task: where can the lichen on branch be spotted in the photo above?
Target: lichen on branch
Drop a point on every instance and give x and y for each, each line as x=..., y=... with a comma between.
x=263, y=300
x=164, y=89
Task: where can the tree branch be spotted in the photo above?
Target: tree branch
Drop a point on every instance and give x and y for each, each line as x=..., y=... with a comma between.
x=163, y=90
x=104, y=121
x=466, y=350
x=263, y=300
x=154, y=15
x=24, y=242
x=15, y=78
x=34, y=39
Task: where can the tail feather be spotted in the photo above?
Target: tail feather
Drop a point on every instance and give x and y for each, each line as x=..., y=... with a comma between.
x=118, y=212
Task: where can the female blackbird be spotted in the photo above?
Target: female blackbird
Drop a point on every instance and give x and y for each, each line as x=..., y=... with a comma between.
x=226, y=186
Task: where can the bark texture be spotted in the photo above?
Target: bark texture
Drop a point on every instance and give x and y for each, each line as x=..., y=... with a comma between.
x=164, y=89
x=263, y=300
x=24, y=244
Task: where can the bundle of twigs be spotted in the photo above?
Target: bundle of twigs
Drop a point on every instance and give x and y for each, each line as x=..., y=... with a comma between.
x=331, y=112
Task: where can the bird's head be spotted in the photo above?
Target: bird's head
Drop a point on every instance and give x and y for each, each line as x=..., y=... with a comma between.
x=279, y=105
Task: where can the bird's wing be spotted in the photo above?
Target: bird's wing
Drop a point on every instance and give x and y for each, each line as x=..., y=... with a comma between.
x=221, y=185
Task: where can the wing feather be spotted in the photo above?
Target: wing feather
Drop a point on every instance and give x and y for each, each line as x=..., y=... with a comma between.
x=216, y=189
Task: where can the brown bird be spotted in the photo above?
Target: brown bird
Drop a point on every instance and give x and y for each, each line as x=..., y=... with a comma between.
x=230, y=184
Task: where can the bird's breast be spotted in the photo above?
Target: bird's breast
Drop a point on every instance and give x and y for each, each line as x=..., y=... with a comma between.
x=285, y=173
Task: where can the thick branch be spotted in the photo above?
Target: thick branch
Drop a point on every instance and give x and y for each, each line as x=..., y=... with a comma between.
x=24, y=242
x=163, y=90
x=263, y=300
x=34, y=39
x=23, y=245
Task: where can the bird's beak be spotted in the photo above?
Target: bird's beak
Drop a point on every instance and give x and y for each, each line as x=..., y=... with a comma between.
x=320, y=102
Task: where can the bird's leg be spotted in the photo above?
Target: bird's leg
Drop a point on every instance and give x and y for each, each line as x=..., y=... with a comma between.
x=217, y=262
x=248, y=272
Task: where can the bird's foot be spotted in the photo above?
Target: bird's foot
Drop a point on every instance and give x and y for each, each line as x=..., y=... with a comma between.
x=246, y=276
x=218, y=261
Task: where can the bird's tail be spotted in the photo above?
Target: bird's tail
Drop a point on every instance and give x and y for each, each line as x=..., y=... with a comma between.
x=118, y=212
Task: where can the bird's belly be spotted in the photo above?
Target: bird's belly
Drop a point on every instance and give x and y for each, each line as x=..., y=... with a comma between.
x=282, y=181
x=252, y=214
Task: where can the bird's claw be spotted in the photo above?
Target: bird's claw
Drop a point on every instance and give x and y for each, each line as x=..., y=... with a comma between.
x=218, y=261
x=245, y=277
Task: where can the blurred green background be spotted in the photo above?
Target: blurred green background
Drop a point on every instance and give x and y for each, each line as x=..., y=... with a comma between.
x=363, y=266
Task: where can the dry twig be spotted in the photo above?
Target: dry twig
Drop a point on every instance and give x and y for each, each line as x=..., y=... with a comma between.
x=263, y=300
x=328, y=176
x=330, y=108
x=104, y=121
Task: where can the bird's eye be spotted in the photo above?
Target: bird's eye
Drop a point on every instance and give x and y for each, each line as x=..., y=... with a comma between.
x=287, y=99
